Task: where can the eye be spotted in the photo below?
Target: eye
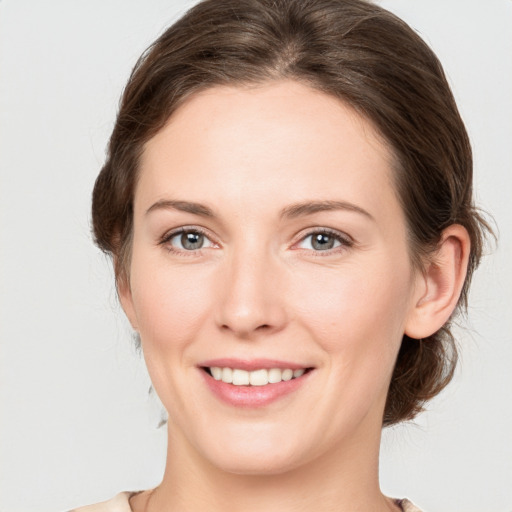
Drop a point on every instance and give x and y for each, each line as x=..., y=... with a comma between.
x=324, y=241
x=187, y=240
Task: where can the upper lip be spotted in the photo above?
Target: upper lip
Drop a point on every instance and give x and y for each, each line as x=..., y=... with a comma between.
x=252, y=364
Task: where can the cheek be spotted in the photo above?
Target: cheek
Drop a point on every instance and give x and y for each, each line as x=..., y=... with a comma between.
x=357, y=319
x=171, y=306
x=358, y=311
x=170, y=302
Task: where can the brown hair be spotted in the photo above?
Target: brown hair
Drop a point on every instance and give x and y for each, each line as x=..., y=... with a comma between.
x=350, y=49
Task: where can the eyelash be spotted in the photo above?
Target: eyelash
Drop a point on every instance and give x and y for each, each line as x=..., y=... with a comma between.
x=345, y=241
x=185, y=229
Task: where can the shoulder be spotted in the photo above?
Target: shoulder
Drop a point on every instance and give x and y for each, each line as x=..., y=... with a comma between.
x=407, y=506
x=118, y=503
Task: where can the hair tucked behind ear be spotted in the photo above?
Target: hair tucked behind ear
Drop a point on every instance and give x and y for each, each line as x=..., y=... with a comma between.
x=352, y=50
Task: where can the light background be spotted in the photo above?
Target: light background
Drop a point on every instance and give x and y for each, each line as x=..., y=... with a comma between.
x=76, y=422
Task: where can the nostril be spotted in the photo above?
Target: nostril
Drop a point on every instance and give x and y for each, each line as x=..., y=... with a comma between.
x=246, y=331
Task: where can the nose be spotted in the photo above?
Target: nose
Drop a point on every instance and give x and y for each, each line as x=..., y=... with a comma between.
x=251, y=299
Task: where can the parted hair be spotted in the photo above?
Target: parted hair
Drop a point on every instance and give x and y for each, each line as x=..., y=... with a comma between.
x=350, y=49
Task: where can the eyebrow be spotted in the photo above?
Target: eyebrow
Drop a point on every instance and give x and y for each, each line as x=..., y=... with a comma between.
x=292, y=211
x=184, y=206
x=311, y=207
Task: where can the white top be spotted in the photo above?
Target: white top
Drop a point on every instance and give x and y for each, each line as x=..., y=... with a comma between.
x=120, y=503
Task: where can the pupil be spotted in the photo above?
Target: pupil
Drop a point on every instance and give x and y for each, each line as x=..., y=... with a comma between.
x=323, y=241
x=192, y=241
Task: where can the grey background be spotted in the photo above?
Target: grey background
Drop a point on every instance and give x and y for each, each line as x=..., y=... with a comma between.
x=76, y=422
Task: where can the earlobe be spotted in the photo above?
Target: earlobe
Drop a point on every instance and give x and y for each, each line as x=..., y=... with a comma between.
x=441, y=284
x=124, y=293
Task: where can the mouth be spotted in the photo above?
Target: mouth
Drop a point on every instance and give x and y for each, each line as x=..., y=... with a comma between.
x=258, y=377
x=253, y=384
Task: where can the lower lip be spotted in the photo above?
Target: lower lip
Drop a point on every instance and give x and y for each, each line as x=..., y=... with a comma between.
x=253, y=396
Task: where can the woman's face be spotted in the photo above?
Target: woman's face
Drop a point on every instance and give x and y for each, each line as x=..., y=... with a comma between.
x=268, y=237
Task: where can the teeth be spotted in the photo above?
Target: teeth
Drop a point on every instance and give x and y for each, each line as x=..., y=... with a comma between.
x=240, y=378
x=227, y=375
x=287, y=374
x=258, y=377
x=261, y=377
x=275, y=375
x=217, y=373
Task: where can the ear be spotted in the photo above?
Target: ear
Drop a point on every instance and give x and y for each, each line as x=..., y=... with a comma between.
x=124, y=293
x=439, y=286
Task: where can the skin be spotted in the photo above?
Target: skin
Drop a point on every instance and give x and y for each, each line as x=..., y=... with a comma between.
x=258, y=288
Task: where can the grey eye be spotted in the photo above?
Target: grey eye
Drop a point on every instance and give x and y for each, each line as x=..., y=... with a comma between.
x=190, y=240
x=321, y=241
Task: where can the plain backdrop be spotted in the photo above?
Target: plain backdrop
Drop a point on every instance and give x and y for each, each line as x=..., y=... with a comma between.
x=77, y=424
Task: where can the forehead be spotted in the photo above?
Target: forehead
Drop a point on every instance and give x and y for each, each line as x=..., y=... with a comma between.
x=280, y=140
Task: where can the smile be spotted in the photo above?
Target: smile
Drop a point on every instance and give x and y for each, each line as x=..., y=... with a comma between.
x=259, y=377
x=253, y=384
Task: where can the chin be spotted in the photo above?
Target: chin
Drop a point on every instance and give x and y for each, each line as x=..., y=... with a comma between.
x=256, y=455
x=260, y=465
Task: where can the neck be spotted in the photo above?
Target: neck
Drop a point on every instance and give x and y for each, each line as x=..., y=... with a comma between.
x=342, y=480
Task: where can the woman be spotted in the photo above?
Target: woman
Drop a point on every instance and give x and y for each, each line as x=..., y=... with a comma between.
x=287, y=199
